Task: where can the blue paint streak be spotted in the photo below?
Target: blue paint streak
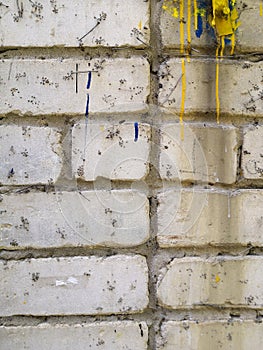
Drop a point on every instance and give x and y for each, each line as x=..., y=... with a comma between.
x=136, y=131
x=227, y=41
x=199, y=30
x=230, y=5
x=89, y=80
x=87, y=107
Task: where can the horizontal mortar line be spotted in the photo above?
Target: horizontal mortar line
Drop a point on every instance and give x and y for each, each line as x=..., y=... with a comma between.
x=149, y=316
x=126, y=118
x=205, y=252
x=154, y=185
x=72, y=52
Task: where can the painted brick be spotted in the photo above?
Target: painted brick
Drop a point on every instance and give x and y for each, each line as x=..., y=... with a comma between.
x=197, y=217
x=239, y=86
x=207, y=153
x=216, y=335
x=246, y=40
x=64, y=219
x=63, y=23
x=220, y=281
x=29, y=155
x=110, y=151
x=252, y=155
x=102, y=335
x=38, y=87
x=78, y=285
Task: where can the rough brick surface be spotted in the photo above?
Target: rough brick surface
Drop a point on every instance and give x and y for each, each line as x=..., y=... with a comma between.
x=78, y=285
x=29, y=155
x=219, y=281
x=214, y=335
x=207, y=153
x=199, y=217
x=63, y=219
x=252, y=154
x=53, y=23
x=49, y=86
x=246, y=40
x=101, y=335
x=111, y=151
x=239, y=86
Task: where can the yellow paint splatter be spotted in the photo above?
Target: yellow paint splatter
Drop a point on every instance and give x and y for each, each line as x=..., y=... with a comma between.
x=217, y=279
x=261, y=9
x=170, y=7
x=140, y=25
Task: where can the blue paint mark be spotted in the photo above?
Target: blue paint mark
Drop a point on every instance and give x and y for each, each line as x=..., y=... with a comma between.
x=89, y=80
x=87, y=107
x=230, y=5
x=199, y=30
x=136, y=131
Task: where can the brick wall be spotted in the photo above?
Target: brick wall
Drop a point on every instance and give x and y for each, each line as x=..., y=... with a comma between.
x=116, y=231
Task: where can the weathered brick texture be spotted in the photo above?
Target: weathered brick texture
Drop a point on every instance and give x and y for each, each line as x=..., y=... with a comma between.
x=211, y=335
x=239, y=86
x=101, y=335
x=78, y=285
x=65, y=219
x=37, y=87
x=29, y=155
x=252, y=155
x=194, y=217
x=207, y=153
x=63, y=23
x=220, y=281
x=94, y=145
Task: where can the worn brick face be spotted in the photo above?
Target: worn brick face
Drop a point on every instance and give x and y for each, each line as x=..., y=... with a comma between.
x=71, y=219
x=29, y=155
x=38, y=87
x=78, y=285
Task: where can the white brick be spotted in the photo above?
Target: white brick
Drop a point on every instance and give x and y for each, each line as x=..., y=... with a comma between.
x=246, y=39
x=110, y=151
x=47, y=86
x=231, y=335
x=198, y=217
x=78, y=285
x=29, y=155
x=239, y=86
x=252, y=154
x=220, y=281
x=102, y=335
x=207, y=153
x=64, y=219
x=62, y=23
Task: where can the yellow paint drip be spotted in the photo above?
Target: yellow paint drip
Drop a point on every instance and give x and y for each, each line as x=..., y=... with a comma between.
x=140, y=25
x=222, y=45
x=261, y=9
x=217, y=88
x=181, y=26
x=195, y=14
x=189, y=15
x=233, y=43
x=182, y=100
